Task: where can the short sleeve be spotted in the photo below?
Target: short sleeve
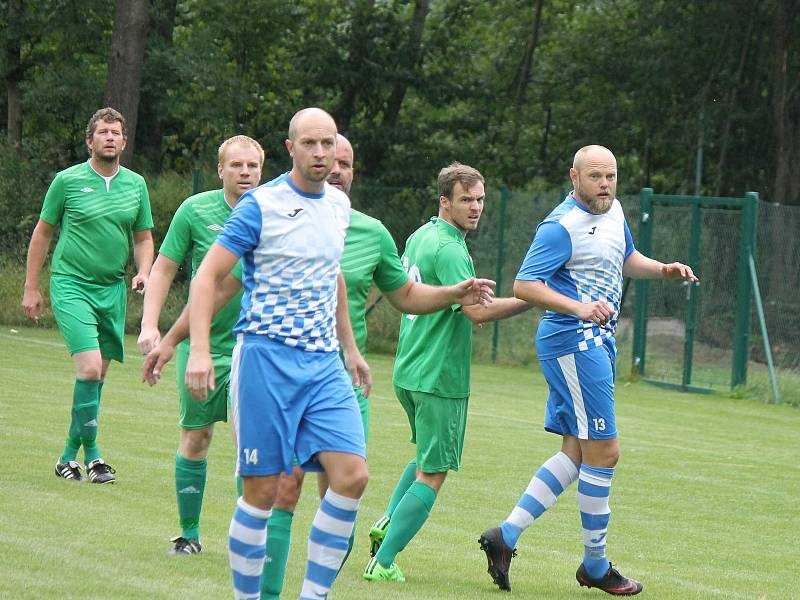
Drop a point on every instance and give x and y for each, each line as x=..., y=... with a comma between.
x=243, y=228
x=389, y=274
x=144, y=219
x=629, y=247
x=550, y=250
x=178, y=240
x=54, y=199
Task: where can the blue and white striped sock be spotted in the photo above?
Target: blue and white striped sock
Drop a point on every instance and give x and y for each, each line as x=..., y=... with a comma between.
x=552, y=478
x=247, y=545
x=594, y=488
x=327, y=543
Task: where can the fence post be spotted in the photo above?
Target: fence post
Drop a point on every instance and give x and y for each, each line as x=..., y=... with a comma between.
x=691, y=294
x=644, y=243
x=498, y=275
x=741, y=337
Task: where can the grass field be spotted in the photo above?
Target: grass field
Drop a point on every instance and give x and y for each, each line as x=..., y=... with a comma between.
x=704, y=501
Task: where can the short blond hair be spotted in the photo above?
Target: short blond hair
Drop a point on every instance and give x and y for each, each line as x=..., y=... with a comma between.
x=240, y=139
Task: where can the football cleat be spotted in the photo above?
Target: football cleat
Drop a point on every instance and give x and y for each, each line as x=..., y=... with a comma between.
x=99, y=472
x=184, y=546
x=498, y=556
x=612, y=582
x=71, y=471
x=376, y=572
x=376, y=534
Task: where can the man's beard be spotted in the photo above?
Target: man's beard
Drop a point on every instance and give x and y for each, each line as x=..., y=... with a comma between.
x=600, y=206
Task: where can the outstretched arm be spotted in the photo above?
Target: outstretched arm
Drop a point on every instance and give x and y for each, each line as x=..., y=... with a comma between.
x=499, y=309
x=640, y=266
x=537, y=293
x=414, y=298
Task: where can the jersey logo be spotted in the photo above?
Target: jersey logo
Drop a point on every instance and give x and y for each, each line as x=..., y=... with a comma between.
x=295, y=212
x=87, y=190
x=215, y=227
x=592, y=231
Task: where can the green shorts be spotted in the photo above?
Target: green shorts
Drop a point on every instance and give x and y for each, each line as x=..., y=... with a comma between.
x=90, y=316
x=194, y=414
x=437, y=428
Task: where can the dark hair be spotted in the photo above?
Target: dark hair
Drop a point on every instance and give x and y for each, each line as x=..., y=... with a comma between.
x=457, y=173
x=109, y=115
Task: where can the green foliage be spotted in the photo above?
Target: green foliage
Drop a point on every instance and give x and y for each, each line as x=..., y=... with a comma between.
x=679, y=465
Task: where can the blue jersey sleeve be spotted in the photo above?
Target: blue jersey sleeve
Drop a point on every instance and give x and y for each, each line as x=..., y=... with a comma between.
x=550, y=249
x=629, y=247
x=243, y=228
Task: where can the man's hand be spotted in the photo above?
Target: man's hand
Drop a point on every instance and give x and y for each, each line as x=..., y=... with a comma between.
x=474, y=291
x=138, y=283
x=32, y=304
x=149, y=338
x=598, y=312
x=155, y=361
x=359, y=372
x=199, y=375
x=678, y=270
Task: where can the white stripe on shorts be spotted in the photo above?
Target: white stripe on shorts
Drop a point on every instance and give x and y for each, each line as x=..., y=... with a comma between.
x=567, y=364
x=233, y=391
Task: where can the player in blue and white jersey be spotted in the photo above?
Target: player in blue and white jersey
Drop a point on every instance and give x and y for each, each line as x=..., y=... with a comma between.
x=574, y=270
x=290, y=393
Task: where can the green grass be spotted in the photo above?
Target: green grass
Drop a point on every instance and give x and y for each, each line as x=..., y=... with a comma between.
x=704, y=501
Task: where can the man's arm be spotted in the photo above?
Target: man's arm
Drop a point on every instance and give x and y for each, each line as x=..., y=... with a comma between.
x=158, y=283
x=32, y=302
x=640, y=266
x=500, y=308
x=414, y=298
x=163, y=352
x=217, y=263
x=355, y=363
x=538, y=294
x=142, y=258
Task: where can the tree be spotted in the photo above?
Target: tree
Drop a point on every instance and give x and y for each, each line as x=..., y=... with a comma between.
x=125, y=65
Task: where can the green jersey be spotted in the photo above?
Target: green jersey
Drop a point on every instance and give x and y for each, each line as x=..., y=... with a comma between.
x=370, y=254
x=97, y=215
x=434, y=351
x=193, y=229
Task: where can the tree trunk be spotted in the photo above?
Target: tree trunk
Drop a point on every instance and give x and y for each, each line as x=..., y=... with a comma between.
x=786, y=109
x=125, y=65
x=410, y=58
x=14, y=73
x=523, y=77
x=359, y=48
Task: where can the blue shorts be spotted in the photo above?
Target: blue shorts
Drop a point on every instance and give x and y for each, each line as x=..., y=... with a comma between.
x=287, y=402
x=581, y=401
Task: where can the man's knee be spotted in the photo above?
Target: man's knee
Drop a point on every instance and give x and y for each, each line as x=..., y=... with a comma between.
x=289, y=488
x=195, y=442
x=433, y=480
x=601, y=453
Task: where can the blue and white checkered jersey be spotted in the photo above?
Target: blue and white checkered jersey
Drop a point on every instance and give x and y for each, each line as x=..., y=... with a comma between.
x=580, y=255
x=291, y=243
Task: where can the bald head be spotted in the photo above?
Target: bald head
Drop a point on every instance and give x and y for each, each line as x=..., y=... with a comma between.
x=341, y=174
x=594, y=177
x=310, y=117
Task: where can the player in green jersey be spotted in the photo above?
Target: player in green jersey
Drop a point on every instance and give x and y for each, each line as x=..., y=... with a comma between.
x=193, y=229
x=98, y=205
x=432, y=367
x=370, y=255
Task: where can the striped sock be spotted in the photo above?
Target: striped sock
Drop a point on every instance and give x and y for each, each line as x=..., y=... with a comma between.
x=247, y=545
x=552, y=478
x=594, y=488
x=327, y=543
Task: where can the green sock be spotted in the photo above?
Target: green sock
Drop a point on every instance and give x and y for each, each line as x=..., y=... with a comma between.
x=350, y=543
x=83, y=427
x=239, y=486
x=408, y=518
x=408, y=477
x=190, y=483
x=279, y=535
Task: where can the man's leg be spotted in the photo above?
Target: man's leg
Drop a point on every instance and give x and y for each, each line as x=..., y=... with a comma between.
x=191, y=468
x=280, y=534
x=247, y=535
x=85, y=406
x=333, y=523
x=378, y=530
